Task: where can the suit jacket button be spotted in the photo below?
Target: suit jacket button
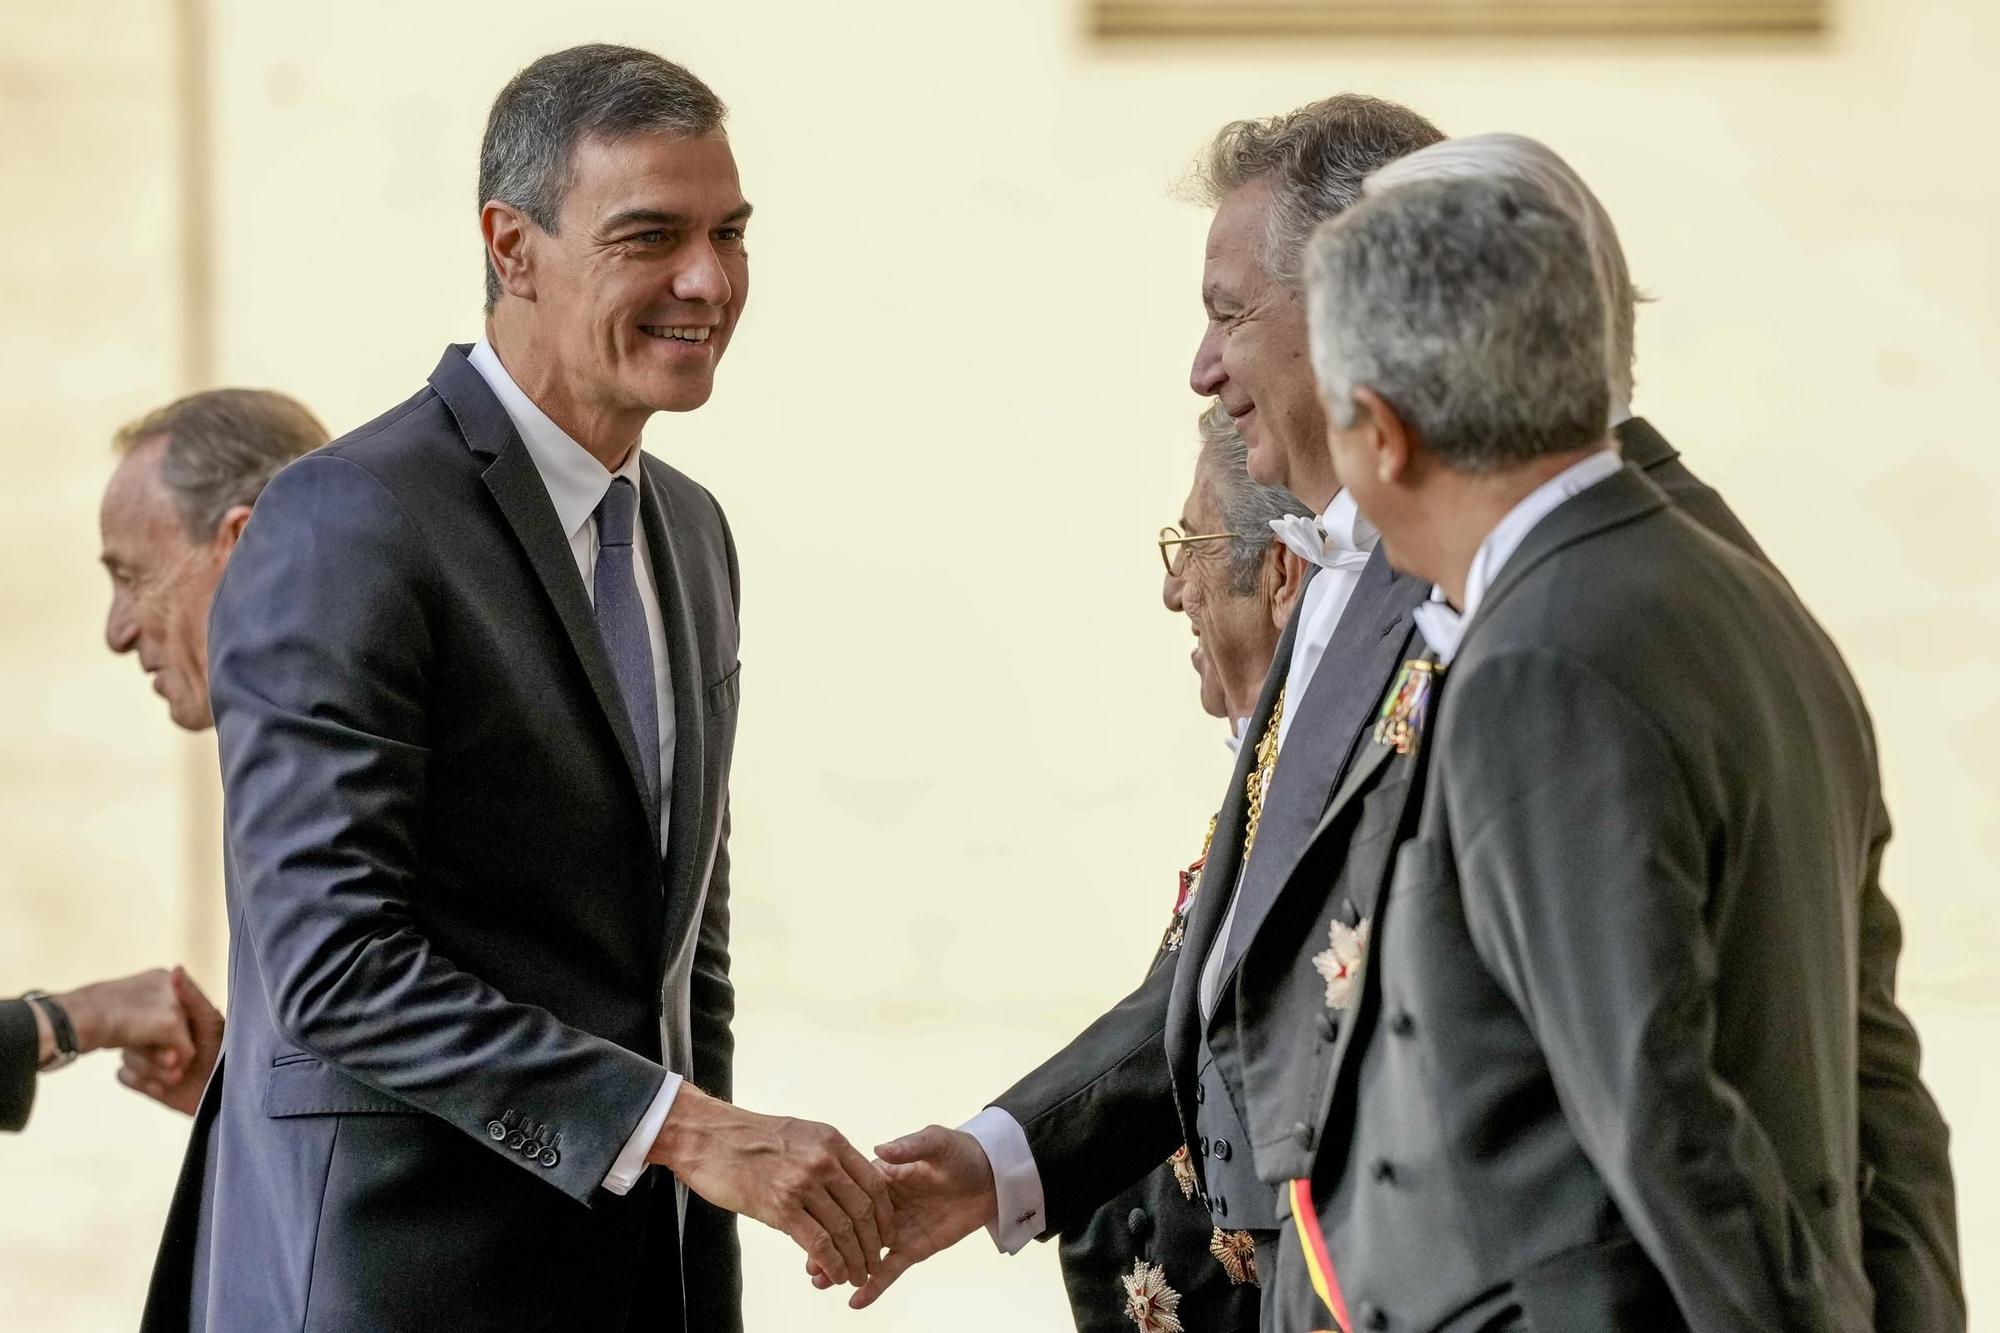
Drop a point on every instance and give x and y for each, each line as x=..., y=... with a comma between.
x=1139, y=1223
x=1302, y=1134
x=496, y=1131
x=549, y=1157
x=1329, y=1027
x=1372, y=1315
x=1220, y=1149
x=517, y=1140
x=1402, y=1024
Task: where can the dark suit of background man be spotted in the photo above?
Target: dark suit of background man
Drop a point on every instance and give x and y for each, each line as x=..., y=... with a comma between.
x=475, y=677
x=1598, y=1066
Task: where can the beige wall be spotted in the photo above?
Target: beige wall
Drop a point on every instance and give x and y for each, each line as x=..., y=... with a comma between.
x=970, y=757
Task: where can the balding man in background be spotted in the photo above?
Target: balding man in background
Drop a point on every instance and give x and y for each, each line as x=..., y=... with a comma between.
x=1235, y=580
x=187, y=476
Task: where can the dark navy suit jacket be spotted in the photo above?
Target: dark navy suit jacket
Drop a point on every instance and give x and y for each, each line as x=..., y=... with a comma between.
x=457, y=949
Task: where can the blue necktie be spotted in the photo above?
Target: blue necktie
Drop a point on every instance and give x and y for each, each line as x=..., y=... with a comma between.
x=621, y=620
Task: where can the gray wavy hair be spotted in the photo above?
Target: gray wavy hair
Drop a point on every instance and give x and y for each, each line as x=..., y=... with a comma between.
x=597, y=91
x=1517, y=157
x=1316, y=159
x=1470, y=305
x=1245, y=507
x=222, y=446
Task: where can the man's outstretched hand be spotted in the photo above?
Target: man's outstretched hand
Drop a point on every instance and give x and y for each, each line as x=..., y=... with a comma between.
x=942, y=1186
x=796, y=1176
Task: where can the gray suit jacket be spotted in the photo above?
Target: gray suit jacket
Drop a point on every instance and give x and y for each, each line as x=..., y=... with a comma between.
x=453, y=934
x=1602, y=1072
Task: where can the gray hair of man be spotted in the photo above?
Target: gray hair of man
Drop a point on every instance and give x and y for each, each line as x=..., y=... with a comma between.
x=1245, y=507
x=222, y=446
x=1315, y=158
x=1517, y=157
x=597, y=91
x=1469, y=305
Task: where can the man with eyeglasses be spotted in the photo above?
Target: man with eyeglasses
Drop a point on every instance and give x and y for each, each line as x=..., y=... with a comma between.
x=1232, y=576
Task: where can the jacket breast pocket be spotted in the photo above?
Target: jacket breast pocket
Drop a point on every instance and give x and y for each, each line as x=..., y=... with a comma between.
x=720, y=697
x=302, y=1085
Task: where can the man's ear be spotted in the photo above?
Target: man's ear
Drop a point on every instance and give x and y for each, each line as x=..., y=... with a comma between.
x=1284, y=578
x=509, y=247
x=230, y=530
x=1391, y=444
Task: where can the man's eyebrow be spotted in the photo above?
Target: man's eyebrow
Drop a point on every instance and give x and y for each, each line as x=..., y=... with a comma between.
x=654, y=217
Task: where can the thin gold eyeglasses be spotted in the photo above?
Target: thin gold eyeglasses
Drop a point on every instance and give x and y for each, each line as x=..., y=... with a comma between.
x=1173, y=541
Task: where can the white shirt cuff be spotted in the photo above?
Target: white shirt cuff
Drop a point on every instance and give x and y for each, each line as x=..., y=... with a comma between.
x=1016, y=1183
x=628, y=1165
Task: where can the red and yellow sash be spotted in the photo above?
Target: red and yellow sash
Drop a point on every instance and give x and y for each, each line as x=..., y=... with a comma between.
x=1306, y=1219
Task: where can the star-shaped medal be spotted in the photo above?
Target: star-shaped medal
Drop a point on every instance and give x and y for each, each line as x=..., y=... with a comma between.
x=1149, y=1301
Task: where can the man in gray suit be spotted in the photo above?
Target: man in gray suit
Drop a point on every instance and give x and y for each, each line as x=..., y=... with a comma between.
x=1596, y=1065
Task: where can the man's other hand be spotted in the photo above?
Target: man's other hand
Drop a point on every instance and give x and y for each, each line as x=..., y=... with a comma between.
x=178, y=1086
x=137, y=1011
x=942, y=1186
x=802, y=1178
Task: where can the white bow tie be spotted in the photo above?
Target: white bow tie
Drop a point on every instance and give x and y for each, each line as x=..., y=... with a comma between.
x=1443, y=627
x=1341, y=539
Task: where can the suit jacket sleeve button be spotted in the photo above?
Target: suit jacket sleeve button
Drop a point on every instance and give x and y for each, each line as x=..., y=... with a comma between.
x=549, y=1157
x=496, y=1131
x=1302, y=1134
x=1139, y=1223
x=1220, y=1148
x=517, y=1140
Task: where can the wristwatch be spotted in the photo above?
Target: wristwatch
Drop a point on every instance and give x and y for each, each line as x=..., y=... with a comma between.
x=59, y=1024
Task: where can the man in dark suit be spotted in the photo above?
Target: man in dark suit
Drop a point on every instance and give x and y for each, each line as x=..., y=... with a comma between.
x=1908, y=1204
x=474, y=669
x=1236, y=581
x=1596, y=1067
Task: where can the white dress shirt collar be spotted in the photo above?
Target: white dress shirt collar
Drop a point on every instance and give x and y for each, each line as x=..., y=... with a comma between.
x=1443, y=627
x=1338, y=539
x=576, y=481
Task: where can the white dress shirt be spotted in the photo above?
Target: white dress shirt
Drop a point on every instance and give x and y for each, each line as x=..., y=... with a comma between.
x=1339, y=542
x=1442, y=627
x=576, y=483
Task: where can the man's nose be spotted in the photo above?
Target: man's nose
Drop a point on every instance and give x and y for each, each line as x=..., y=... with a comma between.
x=121, y=631
x=702, y=278
x=1205, y=376
x=1170, y=593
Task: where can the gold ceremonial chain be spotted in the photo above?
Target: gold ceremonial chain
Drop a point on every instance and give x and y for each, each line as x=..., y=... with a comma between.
x=1259, y=780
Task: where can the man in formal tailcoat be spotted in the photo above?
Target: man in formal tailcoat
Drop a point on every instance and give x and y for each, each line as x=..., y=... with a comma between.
x=1596, y=1066
x=1236, y=581
x=474, y=672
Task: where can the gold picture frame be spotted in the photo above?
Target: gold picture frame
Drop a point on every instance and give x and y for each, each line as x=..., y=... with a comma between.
x=1288, y=18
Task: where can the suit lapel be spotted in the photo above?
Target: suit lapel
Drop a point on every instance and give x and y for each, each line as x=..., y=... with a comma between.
x=1365, y=649
x=524, y=502
x=687, y=672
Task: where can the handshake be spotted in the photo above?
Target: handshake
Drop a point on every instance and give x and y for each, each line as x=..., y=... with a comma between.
x=861, y=1223
x=169, y=1032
